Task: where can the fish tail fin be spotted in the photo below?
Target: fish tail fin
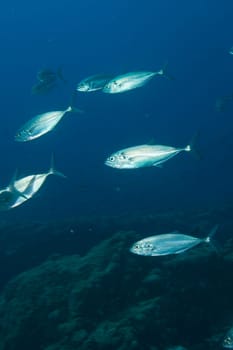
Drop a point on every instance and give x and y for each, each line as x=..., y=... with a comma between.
x=191, y=147
x=53, y=171
x=76, y=110
x=69, y=109
x=163, y=72
x=209, y=238
x=60, y=74
x=73, y=110
x=72, y=104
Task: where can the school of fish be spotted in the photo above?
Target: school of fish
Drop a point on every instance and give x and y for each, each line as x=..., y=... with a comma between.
x=22, y=189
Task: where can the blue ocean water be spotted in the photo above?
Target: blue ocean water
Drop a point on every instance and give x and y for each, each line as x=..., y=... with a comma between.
x=67, y=278
x=89, y=37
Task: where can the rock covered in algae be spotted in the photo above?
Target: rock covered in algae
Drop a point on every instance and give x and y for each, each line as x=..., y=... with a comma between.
x=114, y=300
x=24, y=245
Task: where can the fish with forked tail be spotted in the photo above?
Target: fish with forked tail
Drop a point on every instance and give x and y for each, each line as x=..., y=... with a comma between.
x=132, y=80
x=146, y=155
x=41, y=124
x=169, y=243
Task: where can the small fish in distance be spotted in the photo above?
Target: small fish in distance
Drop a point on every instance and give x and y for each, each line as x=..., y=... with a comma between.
x=93, y=83
x=132, y=80
x=145, y=156
x=41, y=124
x=47, y=80
x=169, y=243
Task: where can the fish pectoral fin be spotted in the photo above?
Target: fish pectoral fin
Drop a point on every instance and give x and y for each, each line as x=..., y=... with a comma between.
x=181, y=250
x=158, y=165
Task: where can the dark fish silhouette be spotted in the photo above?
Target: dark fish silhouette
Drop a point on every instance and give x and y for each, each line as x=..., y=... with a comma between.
x=222, y=102
x=47, y=81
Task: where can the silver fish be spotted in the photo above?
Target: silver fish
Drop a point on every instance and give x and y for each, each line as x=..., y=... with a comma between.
x=143, y=156
x=40, y=125
x=30, y=185
x=93, y=83
x=132, y=80
x=169, y=243
x=228, y=339
x=231, y=51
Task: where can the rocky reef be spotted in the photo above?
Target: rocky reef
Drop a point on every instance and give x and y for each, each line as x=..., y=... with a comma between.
x=24, y=245
x=108, y=298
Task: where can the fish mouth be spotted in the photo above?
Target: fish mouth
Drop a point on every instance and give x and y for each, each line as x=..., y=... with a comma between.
x=132, y=250
x=135, y=251
x=20, y=139
x=113, y=165
x=82, y=88
x=108, y=163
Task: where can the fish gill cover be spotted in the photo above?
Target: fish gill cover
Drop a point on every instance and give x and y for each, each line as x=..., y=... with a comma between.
x=116, y=90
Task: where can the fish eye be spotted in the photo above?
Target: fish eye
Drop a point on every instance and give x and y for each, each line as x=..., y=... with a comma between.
x=111, y=159
x=137, y=246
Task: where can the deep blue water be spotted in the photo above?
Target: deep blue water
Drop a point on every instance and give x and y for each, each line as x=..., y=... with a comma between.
x=89, y=37
x=189, y=296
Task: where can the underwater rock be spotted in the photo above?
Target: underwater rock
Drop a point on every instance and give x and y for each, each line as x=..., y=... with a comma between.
x=24, y=245
x=111, y=299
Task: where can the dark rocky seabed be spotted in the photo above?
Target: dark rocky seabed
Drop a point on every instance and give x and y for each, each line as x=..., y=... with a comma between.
x=74, y=285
